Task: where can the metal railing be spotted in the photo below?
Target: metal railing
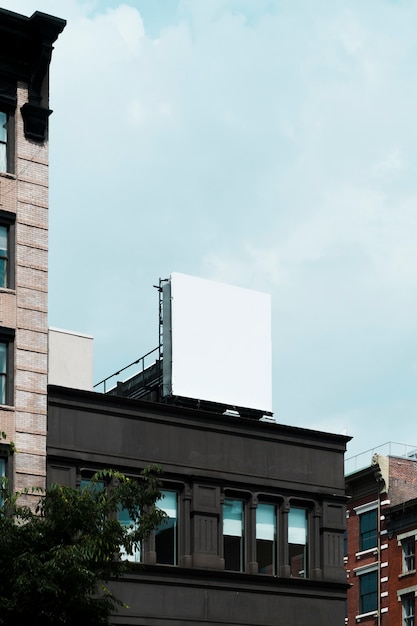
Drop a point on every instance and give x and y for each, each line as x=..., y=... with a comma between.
x=390, y=448
x=143, y=362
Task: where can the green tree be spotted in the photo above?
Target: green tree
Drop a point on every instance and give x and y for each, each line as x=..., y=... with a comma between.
x=55, y=562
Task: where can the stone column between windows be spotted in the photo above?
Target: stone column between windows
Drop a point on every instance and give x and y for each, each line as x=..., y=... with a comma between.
x=186, y=559
x=252, y=558
x=316, y=571
x=285, y=569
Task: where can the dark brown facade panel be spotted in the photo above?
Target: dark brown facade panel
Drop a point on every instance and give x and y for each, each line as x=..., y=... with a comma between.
x=233, y=604
x=224, y=450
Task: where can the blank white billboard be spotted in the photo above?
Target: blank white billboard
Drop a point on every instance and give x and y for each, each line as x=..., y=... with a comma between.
x=217, y=343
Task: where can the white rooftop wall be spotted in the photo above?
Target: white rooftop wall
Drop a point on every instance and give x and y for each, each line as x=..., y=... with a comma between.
x=70, y=359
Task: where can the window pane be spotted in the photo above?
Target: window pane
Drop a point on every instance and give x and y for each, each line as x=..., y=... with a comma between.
x=233, y=534
x=3, y=126
x=3, y=142
x=166, y=533
x=3, y=157
x=368, y=592
x=368, y=523
x=408, y=546
x=3, y=255
x=95, y=486
x=3, y=372
x=408, y=603
x=297, y=542
x=126, y=521
x=3, y=358
x=265, y=538
x=2, y=474
x=3, y=241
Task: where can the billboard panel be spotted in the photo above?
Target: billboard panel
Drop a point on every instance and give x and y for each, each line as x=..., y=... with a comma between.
x=217, y=343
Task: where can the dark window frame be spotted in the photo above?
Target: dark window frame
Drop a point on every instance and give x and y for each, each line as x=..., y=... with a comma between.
x=9, y=111
x=230, y=546
x=408, y=606
x=368, y=592
x=7, y=338
x=408, y=547
x=6, y=455
x=8, y=220
x=261, y=544
x=159, y=545
x=368, y=529
x=306, y=507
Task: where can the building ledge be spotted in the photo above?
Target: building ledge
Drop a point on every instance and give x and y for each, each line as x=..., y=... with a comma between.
x=366, y=615
x=363, y=553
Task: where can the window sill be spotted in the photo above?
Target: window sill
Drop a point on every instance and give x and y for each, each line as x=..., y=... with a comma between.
x=368, y=552
x=6, y=407
x=405, y=574
x=366, y=615
x=7, y=290
x=8, y=175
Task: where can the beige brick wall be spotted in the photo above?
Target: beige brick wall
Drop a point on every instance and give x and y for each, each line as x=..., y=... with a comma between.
x=7, y=192
x=31, y=235
x=33, y=299
x=28, y=277
x=30, y=193
x=32, y=341
x=33, y=215
x=7, y=309
x=7, y=422
x=32, y=423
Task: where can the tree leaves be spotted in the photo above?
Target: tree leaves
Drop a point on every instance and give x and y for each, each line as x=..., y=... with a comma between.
x=55, y=562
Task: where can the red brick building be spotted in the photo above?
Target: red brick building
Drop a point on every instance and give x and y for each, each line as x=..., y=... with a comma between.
x=381, y=540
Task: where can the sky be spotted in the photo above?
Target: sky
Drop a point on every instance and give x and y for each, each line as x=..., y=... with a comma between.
x=269, y=144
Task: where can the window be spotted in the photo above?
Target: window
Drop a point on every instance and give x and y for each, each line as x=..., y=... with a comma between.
x=6, y=366
x=367, y=530
x=408, y=603
x=368, y=592
x=126, y=521
x=3, y=141
x=233, y=529
x=298, y=542
x=266, y=523
x=6, y=141
x=7, y=229
x=3, y=372
x=95, y=486
x=409, y=554
x=166, y=535
x=4, y=254
x=2, y=475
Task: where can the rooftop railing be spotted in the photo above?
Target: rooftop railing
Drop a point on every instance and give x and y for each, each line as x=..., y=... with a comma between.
x=390, y=448
x=142, y=363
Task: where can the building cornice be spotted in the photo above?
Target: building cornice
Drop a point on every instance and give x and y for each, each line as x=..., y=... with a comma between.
x=26, y=45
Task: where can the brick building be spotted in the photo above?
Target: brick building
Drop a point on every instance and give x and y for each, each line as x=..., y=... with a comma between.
x=25, y=54
x=381, y=536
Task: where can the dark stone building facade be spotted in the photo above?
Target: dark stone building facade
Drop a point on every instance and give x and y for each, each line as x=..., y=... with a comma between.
x=256, y=510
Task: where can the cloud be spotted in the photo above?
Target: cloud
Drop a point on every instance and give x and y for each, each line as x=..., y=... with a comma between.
x=267, y=144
